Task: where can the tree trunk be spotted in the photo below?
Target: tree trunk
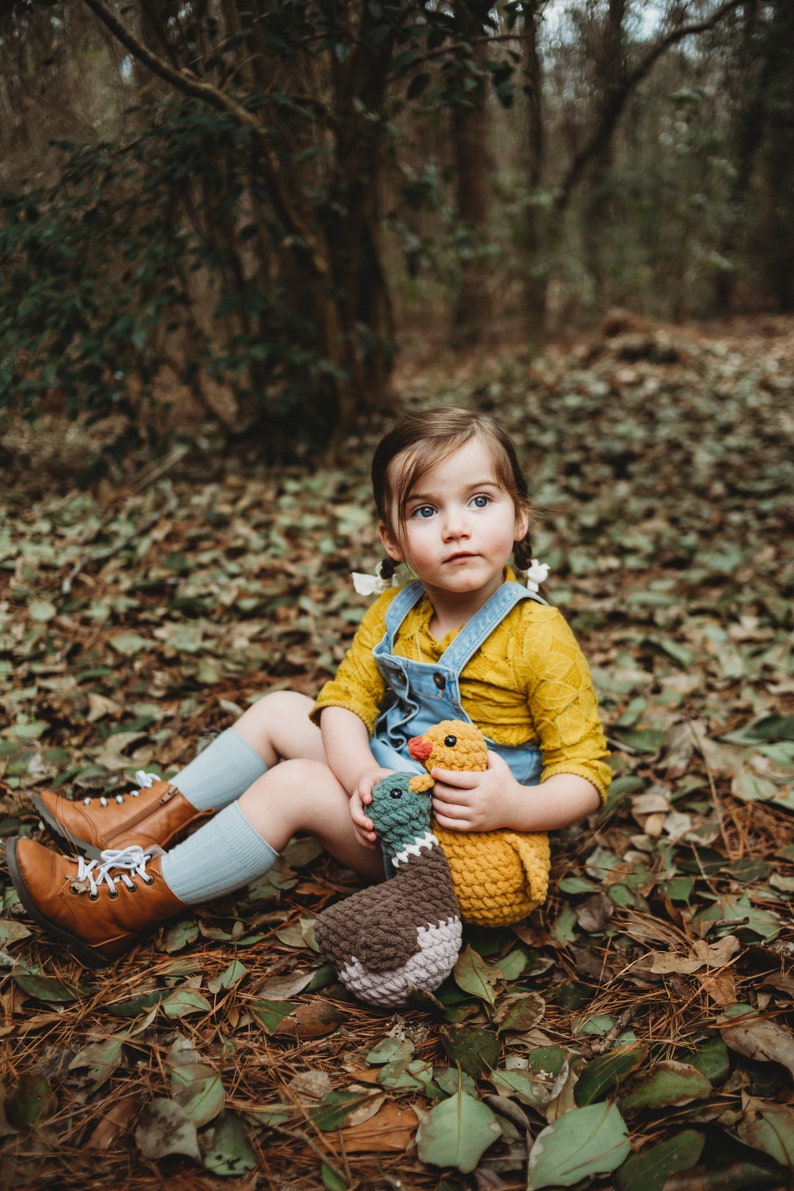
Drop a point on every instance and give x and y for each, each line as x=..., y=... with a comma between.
x=610, y=77
x=762, y=155
x=776, y=231
x=361, y=335
x=473, y=307
x=535, y=231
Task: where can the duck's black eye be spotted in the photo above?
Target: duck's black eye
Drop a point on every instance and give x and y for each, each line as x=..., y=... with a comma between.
x=396, y=792
x=450, y=741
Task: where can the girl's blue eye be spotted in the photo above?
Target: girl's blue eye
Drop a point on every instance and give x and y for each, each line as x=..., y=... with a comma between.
x=481, y=501
x=424, y=511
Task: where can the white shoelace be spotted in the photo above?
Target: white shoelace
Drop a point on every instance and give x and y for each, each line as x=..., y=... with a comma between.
x=143, y=782
x=131, y=862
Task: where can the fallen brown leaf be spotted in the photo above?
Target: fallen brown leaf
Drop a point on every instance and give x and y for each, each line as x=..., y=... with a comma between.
x=389, y=1131
x=759, y=1039
x=114, y=1122
x=702, y=955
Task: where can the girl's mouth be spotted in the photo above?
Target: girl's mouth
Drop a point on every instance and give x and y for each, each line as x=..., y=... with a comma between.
x=461, y=557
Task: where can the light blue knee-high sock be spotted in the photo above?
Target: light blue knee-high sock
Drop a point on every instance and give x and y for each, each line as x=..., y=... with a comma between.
x=223, y=855
x=220, y=773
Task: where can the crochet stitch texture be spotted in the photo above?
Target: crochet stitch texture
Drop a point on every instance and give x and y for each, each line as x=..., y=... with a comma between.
x=499, y=876
x=405, y=933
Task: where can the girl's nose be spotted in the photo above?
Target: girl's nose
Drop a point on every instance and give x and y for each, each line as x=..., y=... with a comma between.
x=455, y=523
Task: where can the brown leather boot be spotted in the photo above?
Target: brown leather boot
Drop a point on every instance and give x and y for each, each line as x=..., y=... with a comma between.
x=152, y=817
x=98, y=908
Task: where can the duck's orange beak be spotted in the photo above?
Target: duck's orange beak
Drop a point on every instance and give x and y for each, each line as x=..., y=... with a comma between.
x=419, y=748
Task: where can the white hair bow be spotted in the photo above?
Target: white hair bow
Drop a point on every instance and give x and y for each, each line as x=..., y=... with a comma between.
x=373, y=584
x=536, y=574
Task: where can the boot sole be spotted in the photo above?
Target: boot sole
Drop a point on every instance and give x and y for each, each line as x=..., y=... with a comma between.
x=67, y=843
x=86, y=955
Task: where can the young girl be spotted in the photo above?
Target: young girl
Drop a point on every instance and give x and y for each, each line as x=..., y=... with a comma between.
x=463, y=640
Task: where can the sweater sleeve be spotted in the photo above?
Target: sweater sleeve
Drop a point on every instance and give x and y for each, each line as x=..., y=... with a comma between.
x=563, y=702
x=358, y=685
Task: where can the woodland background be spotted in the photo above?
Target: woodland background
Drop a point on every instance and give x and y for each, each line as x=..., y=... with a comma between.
x=234, y=240
x=257, y=208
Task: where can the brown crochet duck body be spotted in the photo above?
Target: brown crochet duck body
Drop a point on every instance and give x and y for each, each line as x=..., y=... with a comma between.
x=405, y=933
x=499, y=876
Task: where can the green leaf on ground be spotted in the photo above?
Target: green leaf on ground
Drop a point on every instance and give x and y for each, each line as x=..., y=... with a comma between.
x=654, y=1165
x=769, y=1127
x=457, y=1132
x=606, y=1073
x=405, y=1074
x=584, y=1142
x=522, y=1013
x=198, y=1089
x=668, y=1084
x=270, y=1014
x=48, y=988
x=229, y=1152
x=136, y=1006
x=474, y=976
x=184, y=1002
x=390, y=1050
x=28, y=1100
x=164, y=1128
x=475, y=1049
x=711, y=1057
x=101, y=1058
x=334, y=1109
x=538, y=1082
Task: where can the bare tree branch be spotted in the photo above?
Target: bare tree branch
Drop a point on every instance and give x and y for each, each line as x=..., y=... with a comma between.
x=189, y=84
x=619, y=97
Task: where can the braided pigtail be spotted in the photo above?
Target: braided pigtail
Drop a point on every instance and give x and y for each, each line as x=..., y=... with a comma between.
x=534, y=572
x=522, y=552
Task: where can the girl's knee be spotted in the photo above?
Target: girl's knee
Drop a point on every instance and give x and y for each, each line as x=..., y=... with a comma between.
x=299, y=782
x=300, y=772
x=298, y=795
x=275, y=705
x=278, y=727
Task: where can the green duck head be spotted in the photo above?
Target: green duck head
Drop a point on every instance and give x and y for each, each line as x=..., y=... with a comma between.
x=401, y=809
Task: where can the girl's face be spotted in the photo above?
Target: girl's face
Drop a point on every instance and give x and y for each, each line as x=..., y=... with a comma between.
x=459, y=524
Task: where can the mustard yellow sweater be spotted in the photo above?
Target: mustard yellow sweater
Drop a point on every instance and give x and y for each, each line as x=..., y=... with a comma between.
x=529, y=683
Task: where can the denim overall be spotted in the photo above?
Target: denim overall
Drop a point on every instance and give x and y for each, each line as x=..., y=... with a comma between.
x=419, y=694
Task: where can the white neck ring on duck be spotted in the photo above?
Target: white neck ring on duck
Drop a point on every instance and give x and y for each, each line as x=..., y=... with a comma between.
x=426, y=841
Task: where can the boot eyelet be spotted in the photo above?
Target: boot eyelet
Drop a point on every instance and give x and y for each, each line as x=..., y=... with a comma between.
x=93, y=897
x=113, y=894
x=148, y=880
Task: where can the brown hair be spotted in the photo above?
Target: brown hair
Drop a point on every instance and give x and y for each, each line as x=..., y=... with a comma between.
x=430, y=436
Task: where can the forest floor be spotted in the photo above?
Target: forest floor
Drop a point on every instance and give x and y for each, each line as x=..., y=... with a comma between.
x=639, y=1023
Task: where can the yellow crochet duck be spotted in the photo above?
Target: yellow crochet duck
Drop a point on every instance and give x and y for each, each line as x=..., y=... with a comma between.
x=499, y=876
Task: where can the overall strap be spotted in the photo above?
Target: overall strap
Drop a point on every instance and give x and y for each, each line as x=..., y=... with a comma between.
x=483, y=623
x=398, y=609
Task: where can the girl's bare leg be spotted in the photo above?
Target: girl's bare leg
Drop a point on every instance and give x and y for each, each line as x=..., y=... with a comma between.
x=304, y=796
x=278, y=727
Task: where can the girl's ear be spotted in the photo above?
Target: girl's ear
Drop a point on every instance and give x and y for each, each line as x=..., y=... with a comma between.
x=522, y=524
x=390, y=543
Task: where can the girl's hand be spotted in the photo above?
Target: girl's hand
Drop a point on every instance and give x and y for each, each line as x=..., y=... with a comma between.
x=359, y=801
x=482, y=801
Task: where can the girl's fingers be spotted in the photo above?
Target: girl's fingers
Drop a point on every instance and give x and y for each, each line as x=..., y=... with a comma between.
x=454, y=824
x=455, y=779
x=451, y=797
x=451, y=812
